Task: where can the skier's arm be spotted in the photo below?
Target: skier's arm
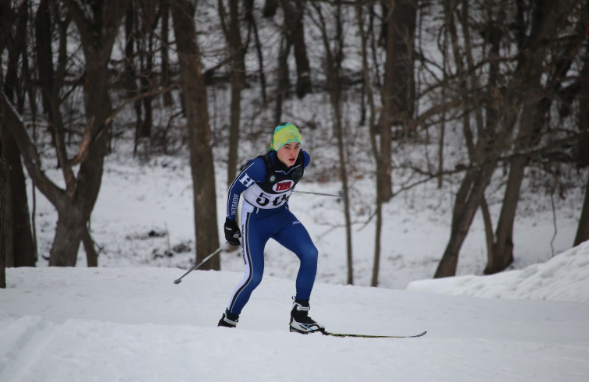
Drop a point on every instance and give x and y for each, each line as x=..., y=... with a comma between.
x=254, y=172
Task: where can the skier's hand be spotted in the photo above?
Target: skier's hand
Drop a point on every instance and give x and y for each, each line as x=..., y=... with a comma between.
x=232, y=232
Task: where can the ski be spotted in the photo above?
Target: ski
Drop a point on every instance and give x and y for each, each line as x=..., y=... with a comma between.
x=341, y=335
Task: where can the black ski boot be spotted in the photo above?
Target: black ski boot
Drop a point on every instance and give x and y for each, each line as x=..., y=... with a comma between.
x=229, y=320
x=300, y=321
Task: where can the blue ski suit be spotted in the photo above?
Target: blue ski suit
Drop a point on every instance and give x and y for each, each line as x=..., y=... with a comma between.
x=266, y=185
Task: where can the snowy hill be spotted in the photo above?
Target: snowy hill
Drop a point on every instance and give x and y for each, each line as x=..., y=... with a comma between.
x=134, y=324
x=564, y=277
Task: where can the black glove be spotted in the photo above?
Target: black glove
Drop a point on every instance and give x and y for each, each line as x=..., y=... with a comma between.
x=232, y=232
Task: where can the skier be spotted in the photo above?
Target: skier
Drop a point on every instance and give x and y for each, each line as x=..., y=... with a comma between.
x=267, y=183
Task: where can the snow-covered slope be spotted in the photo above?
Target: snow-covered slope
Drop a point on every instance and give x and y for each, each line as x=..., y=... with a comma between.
x=564, y=277
x=134, y=324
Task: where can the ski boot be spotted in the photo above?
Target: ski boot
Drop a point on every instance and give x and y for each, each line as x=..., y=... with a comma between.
x=229, y=320
x=300, y=322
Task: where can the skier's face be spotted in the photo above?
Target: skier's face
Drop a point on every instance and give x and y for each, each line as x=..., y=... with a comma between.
x=289, y=153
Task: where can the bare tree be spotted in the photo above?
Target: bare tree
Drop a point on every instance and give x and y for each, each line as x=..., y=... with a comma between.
x=375, y=150
x=2, y=201
x=519, y=98
x=197, y=119
x=333, y=67
x=293, y=20
x=399, y=88
x=148, y=22
x=98, y=26
x=282, y=80
x=129, y=78
x=5, y=22
x=583, y=147
x=165, y=79
x=537, y=104
x=252, y=25
x=237, y=52
x=43, y=33
x=293, y=35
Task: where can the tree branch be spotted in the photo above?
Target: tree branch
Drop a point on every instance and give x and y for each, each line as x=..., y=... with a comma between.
x=15, y=125
x=89, y=139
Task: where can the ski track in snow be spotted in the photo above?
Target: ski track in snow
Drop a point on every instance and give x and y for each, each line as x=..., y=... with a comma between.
x=105, y=351
x=134, y=324
x=23, y=341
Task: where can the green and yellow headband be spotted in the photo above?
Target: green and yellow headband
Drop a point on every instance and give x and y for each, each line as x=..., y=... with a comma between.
x=283, y=134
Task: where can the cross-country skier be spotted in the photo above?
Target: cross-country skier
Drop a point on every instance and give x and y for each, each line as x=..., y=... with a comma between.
x=266, y=184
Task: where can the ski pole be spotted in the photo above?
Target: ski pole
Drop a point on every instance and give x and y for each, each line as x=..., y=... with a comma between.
x=340, y=194
x=201, y=263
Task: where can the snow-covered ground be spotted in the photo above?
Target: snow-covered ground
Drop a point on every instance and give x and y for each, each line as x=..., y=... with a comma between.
x=564, y=278
x=134, y=324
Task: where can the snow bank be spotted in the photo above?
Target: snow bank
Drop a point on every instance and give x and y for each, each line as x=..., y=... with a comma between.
x=564, y=277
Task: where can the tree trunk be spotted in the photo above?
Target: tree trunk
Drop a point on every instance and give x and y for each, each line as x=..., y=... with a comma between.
x=2, y=201
x=293, y=14
x=488, y=229
x=91, y=255
x=24, y=252
x=165, y=12
x=502, y=255
x=333, y=69
x=130, y=77
x=583, y=143
x=583, y=151
x=5, y=22
x=7, y=221
x=468, y=200
x=336, y=105
x=443, y=124
x=398, y=92
x=249, y=15
x=197, y=117
x=238, y=73
x=283, y=84
x=6, y=19
x=68, y=234
x=148, y=24
x=43, y=32
x=19, y=238
x=583, y=227
x=386, y=116
x=375, y=153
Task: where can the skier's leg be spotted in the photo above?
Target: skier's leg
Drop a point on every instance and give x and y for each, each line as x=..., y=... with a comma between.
x=254, y=239
x=294, y=237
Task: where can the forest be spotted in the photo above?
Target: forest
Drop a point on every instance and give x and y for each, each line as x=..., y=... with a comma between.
x=486, y=95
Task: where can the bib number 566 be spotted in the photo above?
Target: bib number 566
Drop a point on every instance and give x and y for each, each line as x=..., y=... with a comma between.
x=263, y=200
